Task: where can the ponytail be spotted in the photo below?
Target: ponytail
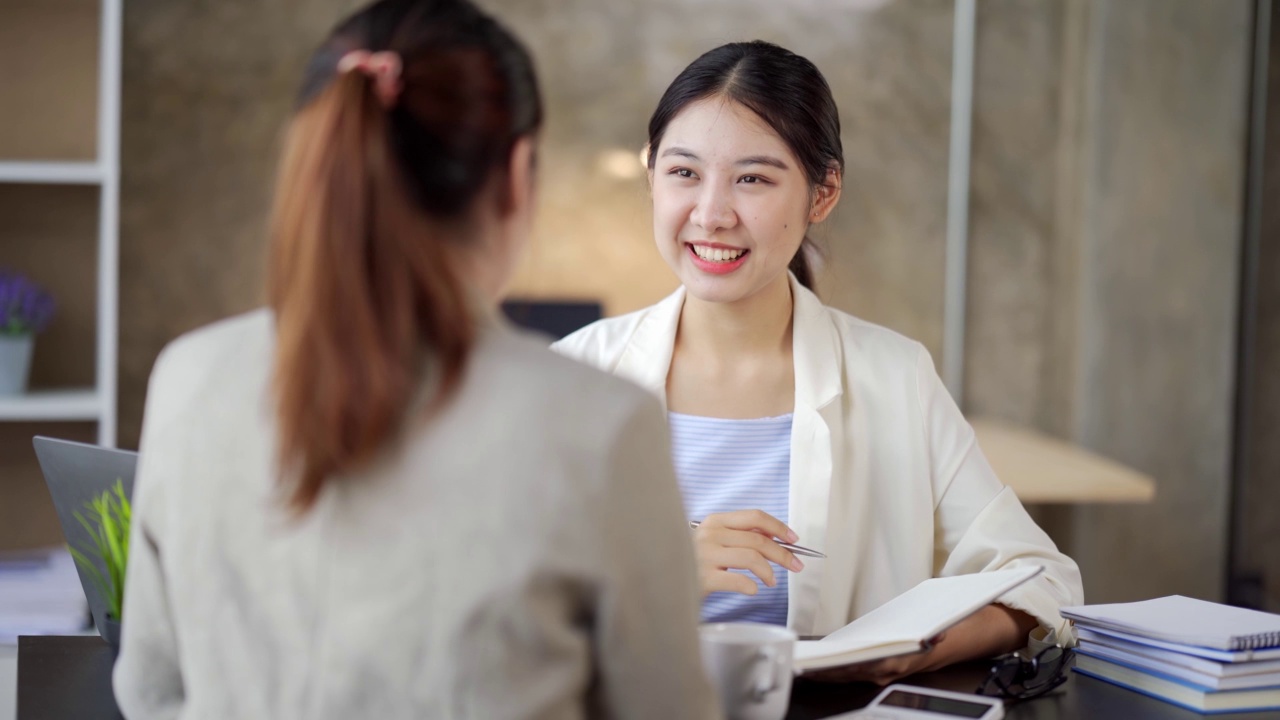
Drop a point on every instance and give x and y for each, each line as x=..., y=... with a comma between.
x=407, y=117
x=800, y=265
x=361, y=288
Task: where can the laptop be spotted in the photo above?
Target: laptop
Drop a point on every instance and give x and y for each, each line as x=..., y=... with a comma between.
x=75, y=474
x=553, y=318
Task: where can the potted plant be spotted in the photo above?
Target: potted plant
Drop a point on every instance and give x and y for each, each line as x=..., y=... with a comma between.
x=25, y=310
x=108, y=520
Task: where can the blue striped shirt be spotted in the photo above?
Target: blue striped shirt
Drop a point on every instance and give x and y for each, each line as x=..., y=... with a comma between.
x=725, y=465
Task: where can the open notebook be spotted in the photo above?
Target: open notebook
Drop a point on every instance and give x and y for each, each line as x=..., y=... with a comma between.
x=906, y=623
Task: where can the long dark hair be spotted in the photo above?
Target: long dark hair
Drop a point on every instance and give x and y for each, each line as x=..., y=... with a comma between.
x=370, y=190
x=787, y=91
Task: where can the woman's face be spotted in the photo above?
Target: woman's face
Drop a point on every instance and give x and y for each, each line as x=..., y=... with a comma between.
x=731, y=204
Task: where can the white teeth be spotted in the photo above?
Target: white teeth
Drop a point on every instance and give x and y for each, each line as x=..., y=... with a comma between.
x=717, y=254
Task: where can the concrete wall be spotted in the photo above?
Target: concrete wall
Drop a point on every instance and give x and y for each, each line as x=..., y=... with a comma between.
x=1105, y=208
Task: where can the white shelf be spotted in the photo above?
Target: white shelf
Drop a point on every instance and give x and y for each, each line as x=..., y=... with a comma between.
x=86, y=35
x=77, y=404
x=52, y=173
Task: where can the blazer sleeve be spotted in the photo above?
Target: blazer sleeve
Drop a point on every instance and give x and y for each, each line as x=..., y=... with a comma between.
x=979, y=523
x=147, y=678
x=646, y=609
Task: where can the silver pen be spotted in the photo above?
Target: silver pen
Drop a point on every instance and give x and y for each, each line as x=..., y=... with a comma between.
x=797, y=549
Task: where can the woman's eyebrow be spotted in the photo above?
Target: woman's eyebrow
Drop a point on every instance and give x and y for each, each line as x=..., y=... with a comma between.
x=682, y=152
x=769, y=160
x=763, y=160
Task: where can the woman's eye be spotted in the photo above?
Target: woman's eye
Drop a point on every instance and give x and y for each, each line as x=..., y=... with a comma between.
x=683, y=172
x=751, y=179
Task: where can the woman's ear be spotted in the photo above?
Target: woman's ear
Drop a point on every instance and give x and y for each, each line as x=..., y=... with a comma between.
x=826, y=195
x=521, y=175
x=648, y=166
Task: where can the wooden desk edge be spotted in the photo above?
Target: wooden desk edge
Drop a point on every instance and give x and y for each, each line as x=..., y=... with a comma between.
x=1008, y=446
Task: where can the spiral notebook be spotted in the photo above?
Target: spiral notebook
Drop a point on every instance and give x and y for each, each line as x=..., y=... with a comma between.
x=1183, y=621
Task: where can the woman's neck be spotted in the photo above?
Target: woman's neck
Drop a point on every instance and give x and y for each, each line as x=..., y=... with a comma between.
x=759, y=325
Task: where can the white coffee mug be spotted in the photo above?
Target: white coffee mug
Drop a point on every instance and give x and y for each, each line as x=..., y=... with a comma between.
x=750, y=666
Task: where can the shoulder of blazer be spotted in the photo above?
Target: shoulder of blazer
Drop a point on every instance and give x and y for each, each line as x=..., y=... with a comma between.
x=194, y=361
x=860, y=335
x=603, y=343
x=866, y=353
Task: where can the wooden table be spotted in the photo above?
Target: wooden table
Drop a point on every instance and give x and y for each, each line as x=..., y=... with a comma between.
x=1045, y=470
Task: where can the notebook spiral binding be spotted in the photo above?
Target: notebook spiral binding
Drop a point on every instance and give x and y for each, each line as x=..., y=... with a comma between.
x=1257, y=642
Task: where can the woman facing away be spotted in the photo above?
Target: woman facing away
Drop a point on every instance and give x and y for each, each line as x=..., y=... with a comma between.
x=793, y=420
x=375, y=500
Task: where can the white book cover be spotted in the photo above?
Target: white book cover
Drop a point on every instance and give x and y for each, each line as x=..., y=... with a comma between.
x=1229, y=656
x=1184, y=620
x=1207, y=665
x=906, y=623
x=1208, y=681
x=1177, y=691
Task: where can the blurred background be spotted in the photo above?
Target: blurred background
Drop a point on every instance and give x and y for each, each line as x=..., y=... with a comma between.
x=1119, y=292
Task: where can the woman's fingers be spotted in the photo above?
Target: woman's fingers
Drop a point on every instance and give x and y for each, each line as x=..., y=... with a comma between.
x=741, y=540
x=880, y=672
x=725, y=558
x=725, y=581
x=754, y=520
x=772, y=551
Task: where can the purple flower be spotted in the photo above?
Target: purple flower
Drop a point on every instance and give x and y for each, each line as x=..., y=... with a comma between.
x=25, y=307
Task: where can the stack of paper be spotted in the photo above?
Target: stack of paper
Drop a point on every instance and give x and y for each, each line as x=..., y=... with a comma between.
x=40, y=594
x=1201, y=655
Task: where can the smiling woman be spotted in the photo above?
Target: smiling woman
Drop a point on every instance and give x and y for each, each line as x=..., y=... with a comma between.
x=792, y=421
x=720, y=138
x=732, y=202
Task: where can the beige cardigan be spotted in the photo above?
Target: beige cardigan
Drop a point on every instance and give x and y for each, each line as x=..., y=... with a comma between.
x=886, y=477
x=522, y=556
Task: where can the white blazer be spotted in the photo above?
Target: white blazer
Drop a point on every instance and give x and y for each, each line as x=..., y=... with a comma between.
x=886, y=476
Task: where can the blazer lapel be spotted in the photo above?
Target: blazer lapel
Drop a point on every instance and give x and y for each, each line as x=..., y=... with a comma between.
x=646, y=360
x=816, y=423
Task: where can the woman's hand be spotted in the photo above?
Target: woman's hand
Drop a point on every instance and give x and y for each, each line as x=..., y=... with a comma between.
x=993, y=630
x=884, y=672
x=743, y=540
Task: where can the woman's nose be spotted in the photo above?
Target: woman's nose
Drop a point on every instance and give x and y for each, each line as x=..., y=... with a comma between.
x=714, y=211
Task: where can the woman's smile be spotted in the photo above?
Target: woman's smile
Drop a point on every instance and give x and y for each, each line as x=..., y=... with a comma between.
x=716, y=258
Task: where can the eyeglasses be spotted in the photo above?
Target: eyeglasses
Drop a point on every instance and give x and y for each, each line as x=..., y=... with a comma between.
x=1014, y=678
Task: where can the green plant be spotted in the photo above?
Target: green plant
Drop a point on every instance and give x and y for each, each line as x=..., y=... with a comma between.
x=108, y=526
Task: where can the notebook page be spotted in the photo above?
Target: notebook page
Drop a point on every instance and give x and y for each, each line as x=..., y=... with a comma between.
x=921, y=612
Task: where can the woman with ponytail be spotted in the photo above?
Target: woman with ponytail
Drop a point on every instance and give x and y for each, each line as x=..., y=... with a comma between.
x=374, y=498
x=790, y=420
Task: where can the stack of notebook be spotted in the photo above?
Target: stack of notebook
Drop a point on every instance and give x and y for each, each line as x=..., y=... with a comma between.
x=1197, y=654
x=40, y=594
